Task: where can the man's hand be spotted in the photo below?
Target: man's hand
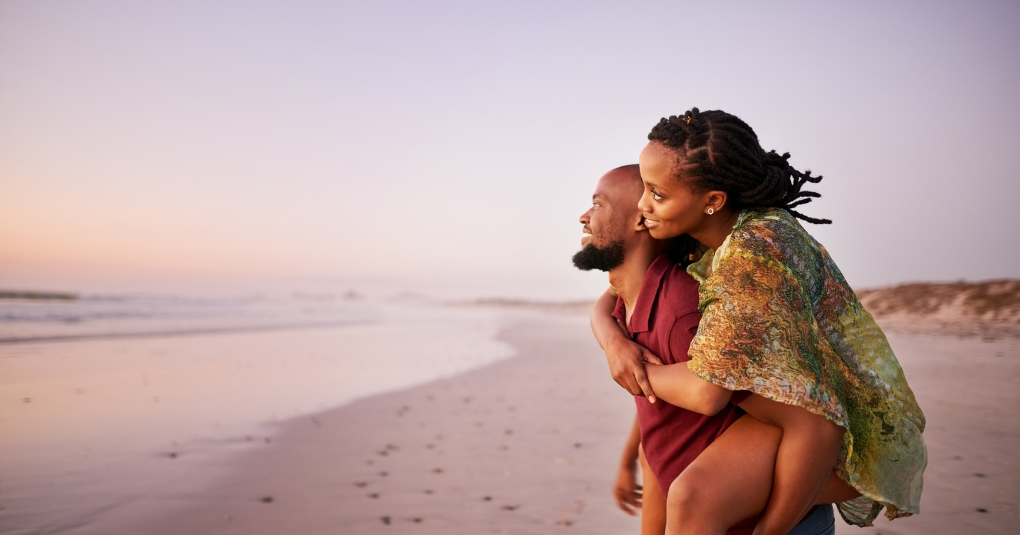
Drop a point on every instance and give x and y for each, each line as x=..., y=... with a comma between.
x=626, y=490
x=627, y=365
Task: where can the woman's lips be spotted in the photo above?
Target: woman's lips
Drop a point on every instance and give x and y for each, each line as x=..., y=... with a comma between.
x=651, y=223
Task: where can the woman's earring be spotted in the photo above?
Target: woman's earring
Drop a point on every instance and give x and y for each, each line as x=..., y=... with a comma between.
x=711, y=211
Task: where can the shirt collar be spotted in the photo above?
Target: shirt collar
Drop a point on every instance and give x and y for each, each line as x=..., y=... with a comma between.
x=646, y=297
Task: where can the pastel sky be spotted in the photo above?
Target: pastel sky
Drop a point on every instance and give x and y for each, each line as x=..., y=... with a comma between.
x=449, y=147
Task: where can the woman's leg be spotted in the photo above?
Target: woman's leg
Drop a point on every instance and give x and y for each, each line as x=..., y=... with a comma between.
x=804, y=463
x=729, y=482
x=653, y=503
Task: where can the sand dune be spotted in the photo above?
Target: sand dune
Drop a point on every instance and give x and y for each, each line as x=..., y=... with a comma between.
x=989, y=309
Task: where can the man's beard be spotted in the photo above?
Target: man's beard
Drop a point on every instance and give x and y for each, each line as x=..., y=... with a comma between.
x=600, y=258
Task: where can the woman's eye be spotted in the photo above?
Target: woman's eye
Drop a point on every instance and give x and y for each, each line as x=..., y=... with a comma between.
x=656, y=196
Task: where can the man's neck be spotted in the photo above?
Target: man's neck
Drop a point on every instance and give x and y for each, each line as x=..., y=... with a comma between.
x=628, y=277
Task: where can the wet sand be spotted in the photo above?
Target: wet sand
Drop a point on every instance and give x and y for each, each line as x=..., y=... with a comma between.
x=527, y=445
x=530, y=445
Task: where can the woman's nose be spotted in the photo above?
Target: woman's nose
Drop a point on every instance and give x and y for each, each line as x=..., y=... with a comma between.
x=643, y=205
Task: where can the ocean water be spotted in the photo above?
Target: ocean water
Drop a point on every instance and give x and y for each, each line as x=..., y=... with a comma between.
x=111, y=401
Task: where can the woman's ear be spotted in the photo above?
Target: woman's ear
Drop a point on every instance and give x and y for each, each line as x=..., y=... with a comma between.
x=715, y=201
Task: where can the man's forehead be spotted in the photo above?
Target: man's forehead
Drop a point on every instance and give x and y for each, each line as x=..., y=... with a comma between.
x=620, y=182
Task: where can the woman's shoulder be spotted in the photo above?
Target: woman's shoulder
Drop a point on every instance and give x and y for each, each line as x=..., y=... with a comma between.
x=770, y=232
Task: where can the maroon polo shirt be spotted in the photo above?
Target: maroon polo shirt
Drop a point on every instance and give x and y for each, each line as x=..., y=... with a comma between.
x=665, y=320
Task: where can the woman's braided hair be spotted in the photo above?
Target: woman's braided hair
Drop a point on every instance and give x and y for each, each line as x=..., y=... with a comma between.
x=718, y=151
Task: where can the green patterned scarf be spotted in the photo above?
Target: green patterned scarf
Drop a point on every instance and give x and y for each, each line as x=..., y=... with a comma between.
x=780, y=320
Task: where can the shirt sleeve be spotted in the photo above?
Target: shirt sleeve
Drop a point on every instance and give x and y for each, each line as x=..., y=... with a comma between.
x=681, y=334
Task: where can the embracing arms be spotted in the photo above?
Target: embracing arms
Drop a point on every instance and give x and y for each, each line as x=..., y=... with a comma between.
x=673, y=383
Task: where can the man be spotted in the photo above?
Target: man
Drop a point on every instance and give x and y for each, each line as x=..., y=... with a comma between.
x=657, y=306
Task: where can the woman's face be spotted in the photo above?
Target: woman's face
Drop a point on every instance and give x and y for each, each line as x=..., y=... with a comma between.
x=669, y=206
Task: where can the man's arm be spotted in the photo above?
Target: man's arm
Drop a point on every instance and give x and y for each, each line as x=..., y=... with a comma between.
x=626, y=490
x=626, y=359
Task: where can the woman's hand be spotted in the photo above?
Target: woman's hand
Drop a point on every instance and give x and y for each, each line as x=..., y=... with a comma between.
x=626, y=490
x=626, y=359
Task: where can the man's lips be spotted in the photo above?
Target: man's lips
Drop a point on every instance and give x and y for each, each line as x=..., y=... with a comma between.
x=585, y=236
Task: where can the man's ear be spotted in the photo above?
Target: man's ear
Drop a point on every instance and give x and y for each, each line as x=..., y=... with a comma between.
x=638, y=223
x=715, y=200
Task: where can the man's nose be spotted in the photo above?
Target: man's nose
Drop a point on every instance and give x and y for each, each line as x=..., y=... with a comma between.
x=584, y=219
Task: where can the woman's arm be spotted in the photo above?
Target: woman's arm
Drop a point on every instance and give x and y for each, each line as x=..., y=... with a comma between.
x=626, y=490
x=676, y=385
x=626, y=359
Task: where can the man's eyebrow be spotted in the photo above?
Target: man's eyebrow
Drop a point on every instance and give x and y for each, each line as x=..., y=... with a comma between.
x=597, y=196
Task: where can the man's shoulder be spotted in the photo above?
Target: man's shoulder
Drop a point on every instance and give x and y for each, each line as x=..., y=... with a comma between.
x=679, y=291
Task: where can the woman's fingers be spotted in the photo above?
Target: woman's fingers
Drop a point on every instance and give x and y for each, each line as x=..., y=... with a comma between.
x=646, y=387
x=651, y=358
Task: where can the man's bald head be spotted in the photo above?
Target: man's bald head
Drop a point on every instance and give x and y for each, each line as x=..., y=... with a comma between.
x=613, y=220
x=623, y=185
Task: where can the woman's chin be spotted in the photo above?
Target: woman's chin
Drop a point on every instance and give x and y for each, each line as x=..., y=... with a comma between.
x=660, y=233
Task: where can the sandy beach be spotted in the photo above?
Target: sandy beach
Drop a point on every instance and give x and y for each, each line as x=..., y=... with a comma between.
x=530, y=444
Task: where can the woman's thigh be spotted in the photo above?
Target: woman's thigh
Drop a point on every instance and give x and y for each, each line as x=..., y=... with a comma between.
x=732, y=479
x=653, y=502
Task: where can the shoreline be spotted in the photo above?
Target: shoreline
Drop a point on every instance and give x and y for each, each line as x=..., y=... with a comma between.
x=496, y=449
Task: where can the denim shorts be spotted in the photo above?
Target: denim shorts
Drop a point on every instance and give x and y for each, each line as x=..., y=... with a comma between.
x=820, y=522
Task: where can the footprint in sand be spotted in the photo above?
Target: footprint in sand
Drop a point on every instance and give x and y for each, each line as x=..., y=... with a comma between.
x=428, y=491
x=385, y=520
x=417, y=520
x=487, y=498
x=361, y=484
x=266, y=499
x=438, y=470
x=374, y=495
x=383, y=474
x=510, y=507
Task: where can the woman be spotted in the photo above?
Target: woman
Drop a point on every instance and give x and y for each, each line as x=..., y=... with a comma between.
x=780, y=322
